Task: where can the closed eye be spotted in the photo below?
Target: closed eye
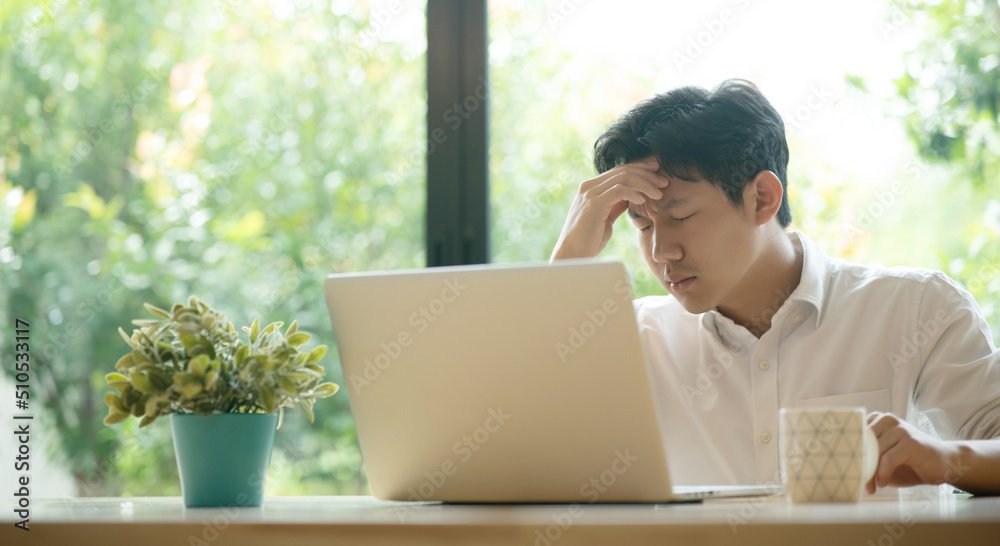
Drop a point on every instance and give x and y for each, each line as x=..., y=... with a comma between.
x=682, y=219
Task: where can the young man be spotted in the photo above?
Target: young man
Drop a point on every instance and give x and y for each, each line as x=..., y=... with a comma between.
x=761, y=319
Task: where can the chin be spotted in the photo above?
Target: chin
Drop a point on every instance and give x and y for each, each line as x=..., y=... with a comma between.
x=693, y=304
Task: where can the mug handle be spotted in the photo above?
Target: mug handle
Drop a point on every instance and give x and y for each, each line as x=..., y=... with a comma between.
x=871, y=455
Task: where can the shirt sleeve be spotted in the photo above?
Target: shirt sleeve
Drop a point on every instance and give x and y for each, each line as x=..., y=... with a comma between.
x=958, y=386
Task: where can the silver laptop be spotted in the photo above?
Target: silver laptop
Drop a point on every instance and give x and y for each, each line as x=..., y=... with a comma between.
x=496, y=383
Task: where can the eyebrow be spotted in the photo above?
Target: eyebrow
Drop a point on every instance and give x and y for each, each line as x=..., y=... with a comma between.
x=673, y=202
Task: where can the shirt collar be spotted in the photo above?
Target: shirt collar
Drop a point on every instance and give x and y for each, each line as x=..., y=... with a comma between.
x=812, y=283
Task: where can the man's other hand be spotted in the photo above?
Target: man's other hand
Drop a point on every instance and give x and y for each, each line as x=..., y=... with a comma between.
x=909, y=456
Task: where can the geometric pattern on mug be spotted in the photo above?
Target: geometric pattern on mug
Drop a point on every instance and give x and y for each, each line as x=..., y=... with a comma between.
x=824, y=455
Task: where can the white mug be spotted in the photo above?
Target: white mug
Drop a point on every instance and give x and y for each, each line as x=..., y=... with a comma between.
x=827, y=454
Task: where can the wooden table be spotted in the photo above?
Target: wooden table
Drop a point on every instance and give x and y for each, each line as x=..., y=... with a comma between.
x=955, y=520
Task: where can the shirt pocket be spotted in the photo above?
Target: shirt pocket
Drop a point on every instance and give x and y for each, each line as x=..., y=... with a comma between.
x=876, y=400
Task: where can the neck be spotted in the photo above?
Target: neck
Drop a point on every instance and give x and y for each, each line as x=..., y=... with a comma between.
x=773, y=277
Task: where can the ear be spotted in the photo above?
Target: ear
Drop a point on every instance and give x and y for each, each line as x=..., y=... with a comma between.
x=762, y=197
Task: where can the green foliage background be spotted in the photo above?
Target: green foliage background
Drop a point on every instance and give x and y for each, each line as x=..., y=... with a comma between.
x=151, y=151
x=174, y=148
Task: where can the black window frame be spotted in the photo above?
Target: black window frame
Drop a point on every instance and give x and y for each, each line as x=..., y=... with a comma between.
x=458, y=209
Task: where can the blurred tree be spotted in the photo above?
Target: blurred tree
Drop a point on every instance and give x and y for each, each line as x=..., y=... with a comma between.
x=950, y=97
x=157, y=150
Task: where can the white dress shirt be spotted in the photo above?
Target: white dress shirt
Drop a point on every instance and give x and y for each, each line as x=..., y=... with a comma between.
x=893, y=339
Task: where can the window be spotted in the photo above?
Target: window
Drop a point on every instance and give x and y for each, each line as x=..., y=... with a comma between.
x=239, y=151
x=563, y=70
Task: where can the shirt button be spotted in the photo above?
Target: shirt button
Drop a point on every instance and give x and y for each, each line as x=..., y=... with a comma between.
x=766, y=437
x=764, y=365
x=798, y=317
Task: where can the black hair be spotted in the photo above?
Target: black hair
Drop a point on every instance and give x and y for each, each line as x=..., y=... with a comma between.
x=724, y=136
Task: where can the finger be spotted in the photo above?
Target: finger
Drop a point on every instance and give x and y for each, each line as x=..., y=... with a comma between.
x=643, y=181
x=621, y=179
x=890, y=443
x=891, y=461
x=883, y=423
x=887, y=439
x=617, y=210
x=646, y=171
x=649, y=162
x=641, y=171
x=620, y=193
x=650, y=174
x=647, y=165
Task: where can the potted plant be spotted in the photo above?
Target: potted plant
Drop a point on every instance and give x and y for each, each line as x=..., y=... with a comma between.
x=225, y=396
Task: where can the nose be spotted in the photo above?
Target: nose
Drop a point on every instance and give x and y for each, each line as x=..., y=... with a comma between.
x=665, y=248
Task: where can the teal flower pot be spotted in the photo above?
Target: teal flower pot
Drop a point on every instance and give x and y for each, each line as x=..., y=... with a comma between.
x=223, y=458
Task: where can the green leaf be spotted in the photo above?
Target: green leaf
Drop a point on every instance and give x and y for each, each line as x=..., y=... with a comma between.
x=119, y=386
x=116, y=403
x=190, y=390
x=156, y=311
x=298, y=339
x=317, y=354
x=146, y=421
x=185, y=378
x=127, y=339
x=197, y=365
x=124, y=362
x=267, y=398
x=207, y=346
x=142, y=384
x=186, y=314
x=114, y=417
x=287, y=385
x=117, y=381
x=271, y=328
x=161, y=381
x=300, y=376
x=292, y=328
x=326, y=389
x=188, y=340
x=254, y=329
x=144, y=323
x=210, y=379
x=306, y=406
x=138, y=356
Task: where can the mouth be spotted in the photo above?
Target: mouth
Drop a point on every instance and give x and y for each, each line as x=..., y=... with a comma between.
x=681, y=284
